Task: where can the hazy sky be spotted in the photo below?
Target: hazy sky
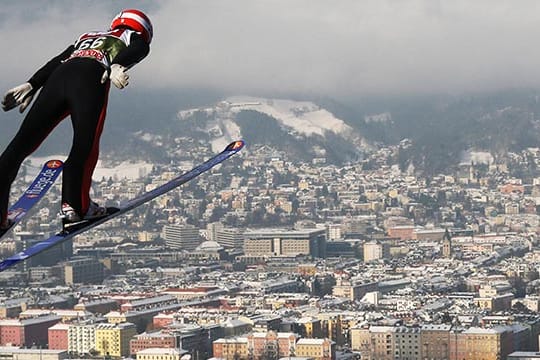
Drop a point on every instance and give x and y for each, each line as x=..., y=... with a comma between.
x=325, y=47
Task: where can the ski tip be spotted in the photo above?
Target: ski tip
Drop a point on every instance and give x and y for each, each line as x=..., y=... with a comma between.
x=235, y=145
x=54, y=164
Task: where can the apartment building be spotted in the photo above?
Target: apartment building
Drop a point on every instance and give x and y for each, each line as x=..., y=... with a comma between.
x=81, y=338
x=113, y=339
x=156, y=339
x=318, y=349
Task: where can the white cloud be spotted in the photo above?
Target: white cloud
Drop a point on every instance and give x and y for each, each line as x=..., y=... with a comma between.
x=334, y=48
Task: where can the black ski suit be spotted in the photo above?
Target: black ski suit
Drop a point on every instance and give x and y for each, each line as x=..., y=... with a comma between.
x=71, y=85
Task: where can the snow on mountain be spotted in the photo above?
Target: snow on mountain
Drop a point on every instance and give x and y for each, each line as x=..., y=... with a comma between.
x=299, y=117
x=302, y=116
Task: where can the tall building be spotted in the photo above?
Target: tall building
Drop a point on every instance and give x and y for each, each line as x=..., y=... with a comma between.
x=212, y=230
x=181, y=237
x=373, y=250
x=83, y=270
x=447, y=250
x=81, y=338
x=113, y=339
x=276, y=242
x=334, y=231
x=230, y=238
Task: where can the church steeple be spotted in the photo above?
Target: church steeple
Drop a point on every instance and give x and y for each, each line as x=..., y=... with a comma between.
x=447, y=245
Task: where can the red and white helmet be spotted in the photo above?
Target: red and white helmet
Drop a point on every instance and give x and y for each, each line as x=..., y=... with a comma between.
x=135, y=20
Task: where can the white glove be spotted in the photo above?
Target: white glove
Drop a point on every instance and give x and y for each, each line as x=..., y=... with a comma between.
x=118, y=76
x=19, y=95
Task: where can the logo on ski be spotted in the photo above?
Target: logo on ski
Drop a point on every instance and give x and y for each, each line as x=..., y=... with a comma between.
x=43, y=181
x=237, y=145
x=54, y=164
x=15, y=213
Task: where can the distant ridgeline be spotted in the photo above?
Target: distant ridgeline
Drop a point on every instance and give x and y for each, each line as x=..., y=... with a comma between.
x=427, y=134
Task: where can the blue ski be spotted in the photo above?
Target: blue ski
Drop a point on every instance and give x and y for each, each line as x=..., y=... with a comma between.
x=230, y=150
x=35, y=192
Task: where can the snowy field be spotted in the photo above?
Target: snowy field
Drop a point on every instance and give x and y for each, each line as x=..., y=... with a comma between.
x=126, y=170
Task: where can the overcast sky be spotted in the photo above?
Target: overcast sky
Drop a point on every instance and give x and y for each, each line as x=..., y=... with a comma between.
x=326, y=47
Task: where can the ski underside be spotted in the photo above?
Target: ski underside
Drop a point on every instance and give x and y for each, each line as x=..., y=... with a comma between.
x=35, y=192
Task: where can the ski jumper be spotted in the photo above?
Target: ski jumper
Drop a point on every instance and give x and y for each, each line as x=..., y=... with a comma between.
x=71, y=85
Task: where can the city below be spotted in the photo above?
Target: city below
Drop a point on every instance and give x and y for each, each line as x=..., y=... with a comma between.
x=265, y=257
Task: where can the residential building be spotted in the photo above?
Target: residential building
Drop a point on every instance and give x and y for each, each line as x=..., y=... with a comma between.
x=231, y=348
x=27, y=332
x=481, y=344
x=58, y=337
x=81, y=338
x=383, y=341
x=272, y=344
x=361, y=341
x=157, y=339
x=408, y=343
x=435, y=340
x=113, y=339
x=319, y=349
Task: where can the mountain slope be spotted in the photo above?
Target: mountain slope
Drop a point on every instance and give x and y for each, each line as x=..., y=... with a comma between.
x=303, y=129
x=441, y=129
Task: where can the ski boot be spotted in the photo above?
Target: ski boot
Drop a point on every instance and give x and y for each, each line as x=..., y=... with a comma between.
x=71, y=220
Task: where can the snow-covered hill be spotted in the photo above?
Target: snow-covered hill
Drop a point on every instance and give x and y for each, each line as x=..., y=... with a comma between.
x=304, y=117
x=300, y=120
